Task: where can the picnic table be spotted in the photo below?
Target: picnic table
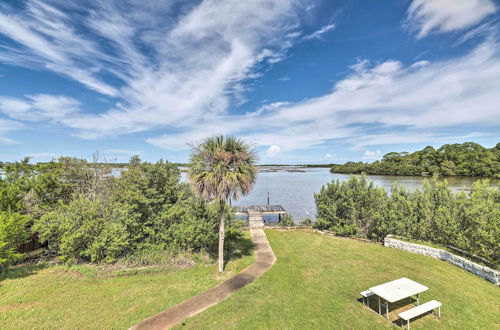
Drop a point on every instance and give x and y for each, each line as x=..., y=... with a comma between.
x=397, y=290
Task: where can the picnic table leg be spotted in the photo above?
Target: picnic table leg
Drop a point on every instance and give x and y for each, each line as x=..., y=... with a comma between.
x=418, y=299
x=408, y=322
x=439, y=312
x=387, y=309
x=379, y=310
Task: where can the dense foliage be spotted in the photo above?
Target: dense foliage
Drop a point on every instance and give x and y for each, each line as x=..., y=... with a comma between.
x=13, y=233
x=466, y=159
x=83, y=213
x=469, y=222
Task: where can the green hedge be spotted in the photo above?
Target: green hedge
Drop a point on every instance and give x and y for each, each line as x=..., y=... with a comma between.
x=470, y=222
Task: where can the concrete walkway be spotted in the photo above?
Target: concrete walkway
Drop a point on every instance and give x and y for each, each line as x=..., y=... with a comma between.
x=265, y=258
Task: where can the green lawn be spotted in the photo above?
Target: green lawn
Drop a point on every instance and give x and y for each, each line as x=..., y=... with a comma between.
x=41, y=297
x=316, y=281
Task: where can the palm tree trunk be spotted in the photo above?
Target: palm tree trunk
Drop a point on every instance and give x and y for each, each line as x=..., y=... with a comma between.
x=221, y=236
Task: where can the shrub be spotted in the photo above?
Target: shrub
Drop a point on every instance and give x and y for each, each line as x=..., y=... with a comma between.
x=306, y=222
x=87, y=230
x=286, y=220
x=433, y=214
x=145, y=213
x=352, y=207
x=13, y=234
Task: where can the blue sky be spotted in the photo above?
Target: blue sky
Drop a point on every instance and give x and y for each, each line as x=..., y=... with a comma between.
x=302, y=81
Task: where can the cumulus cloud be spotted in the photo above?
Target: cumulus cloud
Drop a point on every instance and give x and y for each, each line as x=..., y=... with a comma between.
x=425, y=16
x=371, y=154
x=273, y=150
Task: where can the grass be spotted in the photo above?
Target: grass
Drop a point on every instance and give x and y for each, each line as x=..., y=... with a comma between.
x=316, y=281
x=39, y=296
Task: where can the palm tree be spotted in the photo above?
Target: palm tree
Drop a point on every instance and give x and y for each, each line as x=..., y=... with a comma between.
x=221, y=168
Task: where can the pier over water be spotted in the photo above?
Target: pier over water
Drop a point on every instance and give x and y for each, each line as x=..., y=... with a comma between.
x=255, y=212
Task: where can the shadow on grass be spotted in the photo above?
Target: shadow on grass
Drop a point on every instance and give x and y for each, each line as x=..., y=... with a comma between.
x=402, y=323
x=23, y=270
x=394, y=308
x=238, y=248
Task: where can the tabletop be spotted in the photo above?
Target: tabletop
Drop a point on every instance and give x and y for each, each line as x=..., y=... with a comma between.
x=398, y=289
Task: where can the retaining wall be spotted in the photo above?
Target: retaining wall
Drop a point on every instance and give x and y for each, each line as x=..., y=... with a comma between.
x=476, y=269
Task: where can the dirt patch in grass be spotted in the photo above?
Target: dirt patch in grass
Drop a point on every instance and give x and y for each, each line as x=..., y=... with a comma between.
x=17, y=307
x=63, y=272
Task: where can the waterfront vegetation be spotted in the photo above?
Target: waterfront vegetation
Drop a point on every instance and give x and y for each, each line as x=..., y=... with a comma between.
x=470, y=222
x=81, y=213
x=316, y=280
x=466, y=159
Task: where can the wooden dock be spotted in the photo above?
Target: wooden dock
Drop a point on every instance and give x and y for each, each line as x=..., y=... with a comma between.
x=255, y=212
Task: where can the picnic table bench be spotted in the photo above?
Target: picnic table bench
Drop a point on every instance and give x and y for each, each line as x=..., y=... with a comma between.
x=419, y=310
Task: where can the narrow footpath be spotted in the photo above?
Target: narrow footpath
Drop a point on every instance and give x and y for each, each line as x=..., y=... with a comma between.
x=265, y=258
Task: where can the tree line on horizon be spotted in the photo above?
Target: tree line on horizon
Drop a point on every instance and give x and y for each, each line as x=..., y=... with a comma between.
x=459, y=159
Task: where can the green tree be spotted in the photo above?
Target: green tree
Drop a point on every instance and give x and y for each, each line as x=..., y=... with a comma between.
x=222, y=167
x=466, y=159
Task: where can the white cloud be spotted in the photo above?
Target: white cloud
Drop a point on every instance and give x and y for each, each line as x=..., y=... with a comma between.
x=200, y=61
x=409, y=104
x=319, y=33
x=4, y=140
x=425, y=16
x=273, y=150
x=371, y=155
x=39, y=107
x=328, y=156
x=196, y=62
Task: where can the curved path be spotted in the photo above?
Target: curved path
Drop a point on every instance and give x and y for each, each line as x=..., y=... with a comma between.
x=265, y=258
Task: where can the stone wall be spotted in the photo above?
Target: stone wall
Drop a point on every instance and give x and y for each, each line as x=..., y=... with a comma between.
x=479, y=270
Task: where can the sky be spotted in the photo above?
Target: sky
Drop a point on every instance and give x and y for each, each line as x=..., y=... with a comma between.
x=302, y=81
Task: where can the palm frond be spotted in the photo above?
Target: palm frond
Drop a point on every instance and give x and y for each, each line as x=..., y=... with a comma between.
x=222, y=167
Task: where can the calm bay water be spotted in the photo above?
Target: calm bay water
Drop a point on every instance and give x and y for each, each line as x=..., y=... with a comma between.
x=295, y=190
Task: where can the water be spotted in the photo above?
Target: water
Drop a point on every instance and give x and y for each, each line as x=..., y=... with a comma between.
x=295, y=190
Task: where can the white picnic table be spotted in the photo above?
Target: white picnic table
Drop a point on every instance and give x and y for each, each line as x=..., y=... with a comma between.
x=397, y=290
